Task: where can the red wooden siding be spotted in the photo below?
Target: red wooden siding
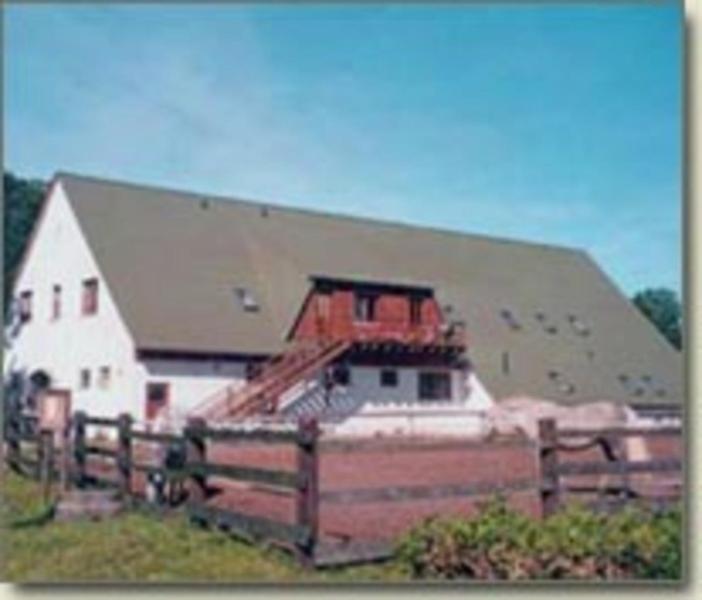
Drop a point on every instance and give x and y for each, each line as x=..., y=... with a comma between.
x=391, y=323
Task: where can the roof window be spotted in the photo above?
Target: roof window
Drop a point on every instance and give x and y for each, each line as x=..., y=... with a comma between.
x=578, y=326
x=511, y=320
x=246, y=299
x=633, y=385
x=549, y=328
x=653, y=385
x=563, y=386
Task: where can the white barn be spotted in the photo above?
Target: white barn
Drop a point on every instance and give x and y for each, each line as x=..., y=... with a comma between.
x=133, y=298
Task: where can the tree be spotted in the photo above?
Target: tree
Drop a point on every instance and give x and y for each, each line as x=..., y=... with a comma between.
x=662, y=307
x=22, y=202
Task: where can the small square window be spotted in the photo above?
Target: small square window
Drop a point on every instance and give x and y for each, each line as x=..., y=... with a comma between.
x=84, y=379
x=56, y=302
x=388, y=378
x=157, y=397
x=90, y=297
x=246, y=299
x=25, y=306
x=342, y=375
x=364, y=307
x=104, y=378
x=434, y=386
x=252, y=370
x=509, y=317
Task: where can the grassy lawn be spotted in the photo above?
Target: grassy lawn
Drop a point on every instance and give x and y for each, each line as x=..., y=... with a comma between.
x=141, y=547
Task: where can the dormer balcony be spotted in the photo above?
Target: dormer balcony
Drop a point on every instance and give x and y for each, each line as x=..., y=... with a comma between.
x=371, y=314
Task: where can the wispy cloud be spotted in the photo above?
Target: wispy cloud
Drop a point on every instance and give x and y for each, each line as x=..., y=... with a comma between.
x=167, y=100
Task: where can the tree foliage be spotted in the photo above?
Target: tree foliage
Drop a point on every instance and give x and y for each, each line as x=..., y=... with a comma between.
x=662, y=307
x=22, y=202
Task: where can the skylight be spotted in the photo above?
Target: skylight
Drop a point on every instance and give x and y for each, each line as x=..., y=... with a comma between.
x=563, y=386
x=246, y=299
x=578, y=326
x=509, y=318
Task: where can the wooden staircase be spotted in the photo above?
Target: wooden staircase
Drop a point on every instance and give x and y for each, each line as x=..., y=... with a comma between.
x=261, y=395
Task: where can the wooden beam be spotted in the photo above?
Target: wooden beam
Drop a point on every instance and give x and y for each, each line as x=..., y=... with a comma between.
x=601, y=468
x=426, y=492
x=620, y=432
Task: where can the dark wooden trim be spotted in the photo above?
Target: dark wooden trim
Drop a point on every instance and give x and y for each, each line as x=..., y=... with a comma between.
x=101, y=421
x=79, y=455
x=249, y=526
x=196, y=452
x=198, y=355
x=307, y=500
x=363, y=285
x=425, y=492
x=403, y=355
x=620, y=432
x=124, y=454
x=548, y=467
x=619, y=467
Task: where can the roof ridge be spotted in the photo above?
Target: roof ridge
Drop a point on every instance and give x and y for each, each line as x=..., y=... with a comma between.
x=228, y=200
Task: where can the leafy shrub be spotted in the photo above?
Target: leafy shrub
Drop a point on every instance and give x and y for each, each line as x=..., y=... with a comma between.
x=501, y=543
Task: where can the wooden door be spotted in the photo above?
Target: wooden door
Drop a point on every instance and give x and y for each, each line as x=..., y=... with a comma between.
x=157, y=399
x=54, y=409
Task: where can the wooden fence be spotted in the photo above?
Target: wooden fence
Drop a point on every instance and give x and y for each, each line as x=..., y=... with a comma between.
x=303, y=483
x=556, y=475
x=552, y=485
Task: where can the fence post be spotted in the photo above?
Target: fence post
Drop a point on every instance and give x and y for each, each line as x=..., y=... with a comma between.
x=12, y=431
x=124, y=454
x=307, y=505
x=46, y=461
x=80, y=419
x=548, y=467
x=195, y=454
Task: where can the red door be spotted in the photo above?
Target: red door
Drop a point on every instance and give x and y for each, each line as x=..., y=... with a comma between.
x=157, y=399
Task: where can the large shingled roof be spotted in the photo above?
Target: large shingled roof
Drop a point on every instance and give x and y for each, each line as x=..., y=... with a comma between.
x=541, y=320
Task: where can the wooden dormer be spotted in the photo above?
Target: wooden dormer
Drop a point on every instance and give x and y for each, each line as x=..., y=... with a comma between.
x=367, y=313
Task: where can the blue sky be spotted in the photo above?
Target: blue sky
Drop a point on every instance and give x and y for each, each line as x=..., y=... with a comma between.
x=552, y=123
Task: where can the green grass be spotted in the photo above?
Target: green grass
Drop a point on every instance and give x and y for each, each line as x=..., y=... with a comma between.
x=141, y=547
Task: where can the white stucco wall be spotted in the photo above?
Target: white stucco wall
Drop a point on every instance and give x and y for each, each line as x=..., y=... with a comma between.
x=190, y=381
x=60, y=255
x=373, y=409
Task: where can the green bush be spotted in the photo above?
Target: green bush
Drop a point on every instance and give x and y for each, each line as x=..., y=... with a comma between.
x=573, y=544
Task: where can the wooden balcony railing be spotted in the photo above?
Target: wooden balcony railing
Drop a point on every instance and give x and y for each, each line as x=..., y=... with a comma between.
x=445, y=335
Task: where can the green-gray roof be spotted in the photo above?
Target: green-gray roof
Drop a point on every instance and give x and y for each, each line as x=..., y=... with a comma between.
x=172, y=260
